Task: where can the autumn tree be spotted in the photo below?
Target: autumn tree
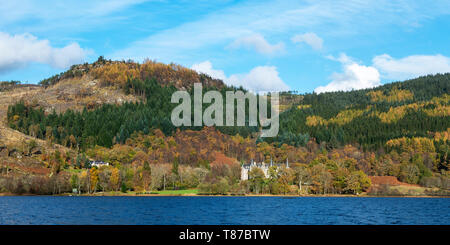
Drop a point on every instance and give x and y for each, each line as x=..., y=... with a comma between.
x=286, y=176
x=93, y=179
x=301, y=174
x=256, y=180
x=357, y=182
x=146, y=175
x=114, y=179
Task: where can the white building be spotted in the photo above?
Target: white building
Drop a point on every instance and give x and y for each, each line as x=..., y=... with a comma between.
x=245, y=168
x=98, y=163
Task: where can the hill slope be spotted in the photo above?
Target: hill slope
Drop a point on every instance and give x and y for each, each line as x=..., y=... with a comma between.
x=371, y=117
x=119, y=112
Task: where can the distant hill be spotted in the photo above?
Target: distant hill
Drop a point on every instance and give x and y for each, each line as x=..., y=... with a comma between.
x=371, y=117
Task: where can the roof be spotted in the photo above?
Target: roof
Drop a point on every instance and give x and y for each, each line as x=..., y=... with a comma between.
x=98, y=162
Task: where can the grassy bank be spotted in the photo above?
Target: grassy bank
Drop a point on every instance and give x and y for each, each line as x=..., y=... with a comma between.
x=188, y=192
x=391, y=191
x=176, y=192
x=195, y=192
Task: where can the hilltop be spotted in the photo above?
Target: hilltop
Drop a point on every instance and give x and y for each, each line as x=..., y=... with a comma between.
x=117, y=73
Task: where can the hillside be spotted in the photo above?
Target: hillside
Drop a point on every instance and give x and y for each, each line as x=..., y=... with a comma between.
x=33, y=157
x=92, y=85
x=11, y=138
x=119, y=112
x=371, y=117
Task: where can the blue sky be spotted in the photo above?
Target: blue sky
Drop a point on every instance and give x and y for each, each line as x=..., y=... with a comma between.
x=263, y=45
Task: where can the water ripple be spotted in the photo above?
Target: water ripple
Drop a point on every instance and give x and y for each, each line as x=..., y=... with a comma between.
x=223, y=210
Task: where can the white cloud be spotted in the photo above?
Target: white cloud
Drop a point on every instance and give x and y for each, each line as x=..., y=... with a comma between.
x=206, y=68
x=411, y=66
x=257, y=42
x=342, y=58
x=309, y=38
x=353, y=77
x=19, y=50
x=259, y=79
x=356, y=76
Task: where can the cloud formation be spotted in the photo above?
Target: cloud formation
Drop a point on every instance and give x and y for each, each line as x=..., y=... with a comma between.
x=259, y=79
x=19, y=50
x=258, y=43
x=411, y=66
x=206, y=68
x=354, y=76
x=309, y=38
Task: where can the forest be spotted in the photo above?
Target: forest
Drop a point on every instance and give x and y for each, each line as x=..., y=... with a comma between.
x=109, y=124
x=333, y=141
x=371, y=117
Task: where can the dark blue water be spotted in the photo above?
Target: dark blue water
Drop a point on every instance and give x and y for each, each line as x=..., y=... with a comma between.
x=223, y=210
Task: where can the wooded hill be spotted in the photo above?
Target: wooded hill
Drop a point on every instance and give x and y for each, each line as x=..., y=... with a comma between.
x=367, y=118
x=370, y=117
x=333, y=139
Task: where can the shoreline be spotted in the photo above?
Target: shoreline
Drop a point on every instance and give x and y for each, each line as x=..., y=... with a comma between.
x=100, y=194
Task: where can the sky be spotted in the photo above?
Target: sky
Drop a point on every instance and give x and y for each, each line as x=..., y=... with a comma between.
x=305, y=46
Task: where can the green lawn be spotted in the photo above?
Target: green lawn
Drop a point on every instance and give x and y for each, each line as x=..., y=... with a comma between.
x=176, y=192
x=166, y=192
